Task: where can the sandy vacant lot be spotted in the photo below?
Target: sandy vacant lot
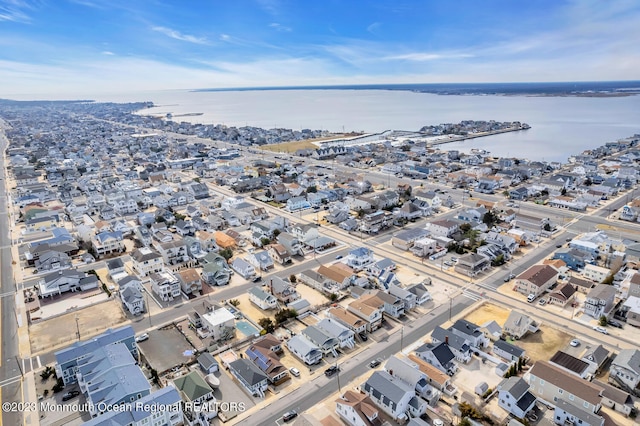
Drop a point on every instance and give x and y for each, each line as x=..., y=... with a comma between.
x=487, y=312
x=61, y=331
x=543, y=344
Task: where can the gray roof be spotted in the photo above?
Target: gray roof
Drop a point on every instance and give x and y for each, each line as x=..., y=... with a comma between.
x=333, y=328
x=319, y=337
x=466, y=327
x=248, y=371
x=411, y=234
x=404, y=370
x=207, y=360
x=392, y=388
x=516, y=386
x=301, y=344
x=441, y=335
x=130, y=294
x=598, y=355
x=260, y=294
x=441, y=351
x=509, y=348
x=83, y=348
x=578, y=413
x=629, y=359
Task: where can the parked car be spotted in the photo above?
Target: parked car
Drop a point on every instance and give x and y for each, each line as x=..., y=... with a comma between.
x=142, y=337
x=257, y=279
x=339, y=257
x=542, y=302
x=615, y=324
x=331, y=371
x=289, y=415
x=575, y=343
x=531, y=298
x=447, y=263
x=374, y=363
x=70, y=395
x=363, y=337
x=294, y=372
x=600, y=329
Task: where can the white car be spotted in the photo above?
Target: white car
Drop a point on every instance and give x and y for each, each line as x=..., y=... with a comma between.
x=142, y=337
x=600, y=329
x=575, y=343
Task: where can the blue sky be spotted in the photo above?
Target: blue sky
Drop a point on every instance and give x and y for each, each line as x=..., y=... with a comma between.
x=70, y=47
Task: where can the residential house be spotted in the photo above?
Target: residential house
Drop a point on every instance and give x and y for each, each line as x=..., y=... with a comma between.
x=107, y=243
x=304, y=349
x=67, y=359
x=347, y=319
x=338, y=274
x=435, y=377
x=317, y=281
x=405, y=239
x=625, y=368
x=421, y=293
x=458, y=345
x=393, y=396
x=600, y=301
x=132, y=299
x=219, y=324
x=173, y=252
x=52, y=260
x=519, y=324
x=568, y=414
x=563, y=295
x=279, y=254
x=208, y=363
x=261, y=260
x=596, y=273
x=262, y=299
x=110, y=376
x=631, y=309
x=570, y=364
x=165, y=285
x=243, y=268
x=439, y=355
x=335, y=329
x=268, y=363
x=357, y=409
x=514, y=397
x=283, y=290
x=536, y=280
x=470, y=332
x=62, y=281
x=472, y=264
x=388, y=303
x=575, y=259
x=290, y=243
x=326, y=343
x=550, y=384
x=595, y=356
x=442, y=228
x=145, y=261
x=580, y=285
x=407, y=297
x=359, y=258
x=409, y=373
x=189, y=280
x=507, y=351
x=140, y=415
x=193, y=389
x=370, y=314
x=215, y=270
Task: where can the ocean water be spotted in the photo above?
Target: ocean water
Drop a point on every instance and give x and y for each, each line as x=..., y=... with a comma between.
x=560, y=125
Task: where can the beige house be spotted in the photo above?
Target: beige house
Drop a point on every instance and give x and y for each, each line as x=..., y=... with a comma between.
x=536, y=280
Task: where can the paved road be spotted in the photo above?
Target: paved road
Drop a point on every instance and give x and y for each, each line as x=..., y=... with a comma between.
x=10, y=370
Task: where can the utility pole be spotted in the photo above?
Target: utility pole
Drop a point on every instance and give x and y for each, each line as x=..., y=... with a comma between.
x=402, y=339
x=148, y=307
x=77, y=327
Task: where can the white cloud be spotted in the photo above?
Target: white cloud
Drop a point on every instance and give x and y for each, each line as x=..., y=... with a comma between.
x=424, y=57
x=16, y=10
x=373, y=28
x=279, y=27
x=179, y=36
x=108, y=53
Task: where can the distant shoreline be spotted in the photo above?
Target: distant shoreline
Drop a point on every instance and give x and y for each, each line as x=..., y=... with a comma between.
x=568, y=89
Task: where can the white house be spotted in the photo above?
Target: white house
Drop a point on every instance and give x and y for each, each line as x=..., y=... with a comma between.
x=165, y=285
x=262, y=299
x=357, y=409
x=393, y=396
x=304, y=349
x=514, y=397
x=336, y=330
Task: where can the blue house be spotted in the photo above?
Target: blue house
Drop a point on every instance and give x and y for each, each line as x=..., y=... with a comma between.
x=575, y=259
x=67, y=360
x=297, y=203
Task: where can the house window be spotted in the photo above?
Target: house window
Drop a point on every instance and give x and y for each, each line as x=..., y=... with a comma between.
x=560, y=391
x=571, y=397
x=586, y=404
x=541, y=382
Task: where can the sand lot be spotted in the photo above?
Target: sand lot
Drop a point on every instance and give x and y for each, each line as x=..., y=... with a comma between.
x=61, y=331
x=487, y=312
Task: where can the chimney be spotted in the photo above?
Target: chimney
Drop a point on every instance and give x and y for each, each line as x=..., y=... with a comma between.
x=391, y=372
x=446, y=339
